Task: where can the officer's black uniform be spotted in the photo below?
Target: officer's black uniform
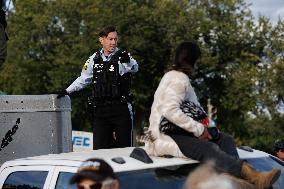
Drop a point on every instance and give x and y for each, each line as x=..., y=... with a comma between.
x=111, y=80
x=112, y=119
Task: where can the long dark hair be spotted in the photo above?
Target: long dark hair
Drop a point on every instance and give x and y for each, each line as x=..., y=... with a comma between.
x=187, y=53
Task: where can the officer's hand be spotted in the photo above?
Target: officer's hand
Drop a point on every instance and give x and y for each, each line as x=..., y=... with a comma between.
x=61, y=93
x=124, y=57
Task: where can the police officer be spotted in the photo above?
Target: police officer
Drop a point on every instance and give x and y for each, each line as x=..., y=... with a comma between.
x=109, y=71
x=3, y=35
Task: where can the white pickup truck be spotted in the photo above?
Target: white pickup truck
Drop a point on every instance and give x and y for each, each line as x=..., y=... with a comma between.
x=53, y=171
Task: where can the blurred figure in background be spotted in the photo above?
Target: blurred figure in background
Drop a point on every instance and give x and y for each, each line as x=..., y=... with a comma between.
x=206, y=177
x=3, y=35
x=95, y=173
x=279, y=148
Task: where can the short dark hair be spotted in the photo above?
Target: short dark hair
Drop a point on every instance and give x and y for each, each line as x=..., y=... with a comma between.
x=187, y=53
x=105, y=31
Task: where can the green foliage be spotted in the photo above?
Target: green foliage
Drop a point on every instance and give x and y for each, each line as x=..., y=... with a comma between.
x=242, y=68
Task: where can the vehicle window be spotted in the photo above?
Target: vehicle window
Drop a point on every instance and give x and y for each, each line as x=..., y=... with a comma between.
x=167, y=178
x=266, y=164
x=25, y=180
x=63, y=181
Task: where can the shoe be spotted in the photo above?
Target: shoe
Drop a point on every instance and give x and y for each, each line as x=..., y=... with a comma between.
x=262, y=180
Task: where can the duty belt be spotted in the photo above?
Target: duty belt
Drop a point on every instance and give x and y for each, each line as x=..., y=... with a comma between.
x=105, y=102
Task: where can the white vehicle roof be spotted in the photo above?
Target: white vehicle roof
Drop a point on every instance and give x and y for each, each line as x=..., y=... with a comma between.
x=246, y=152
x=74, y=159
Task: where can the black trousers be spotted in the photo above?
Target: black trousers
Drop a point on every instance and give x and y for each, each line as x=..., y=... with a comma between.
x=112, y=126
x=223, y=152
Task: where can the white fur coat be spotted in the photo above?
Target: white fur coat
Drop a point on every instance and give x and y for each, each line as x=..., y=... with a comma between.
x=174, y=88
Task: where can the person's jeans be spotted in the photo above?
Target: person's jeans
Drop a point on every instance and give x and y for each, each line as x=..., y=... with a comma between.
x=227, y=144
x=224, y=156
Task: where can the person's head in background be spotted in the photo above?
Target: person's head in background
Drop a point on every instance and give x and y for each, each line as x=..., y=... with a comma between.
x=187, y=58
x=279, y=148
x=95, y=174
x=206, y=176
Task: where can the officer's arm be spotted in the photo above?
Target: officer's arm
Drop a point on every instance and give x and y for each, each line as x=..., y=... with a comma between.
x=130, y=66
x=85, y=77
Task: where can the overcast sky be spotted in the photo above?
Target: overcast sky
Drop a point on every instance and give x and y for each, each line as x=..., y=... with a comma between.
x=269, y=8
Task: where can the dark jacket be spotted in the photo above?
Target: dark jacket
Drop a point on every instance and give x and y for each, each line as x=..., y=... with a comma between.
x=2, y=15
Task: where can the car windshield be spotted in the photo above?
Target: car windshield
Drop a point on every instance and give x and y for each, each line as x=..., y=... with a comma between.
x=172, y=177
x=266, y=164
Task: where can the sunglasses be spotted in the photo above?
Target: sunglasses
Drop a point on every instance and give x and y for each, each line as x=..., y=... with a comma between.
x=97, y=185
x=93, y=186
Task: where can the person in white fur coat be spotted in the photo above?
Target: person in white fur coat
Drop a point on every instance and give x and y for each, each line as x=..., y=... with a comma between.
x=175, y=88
